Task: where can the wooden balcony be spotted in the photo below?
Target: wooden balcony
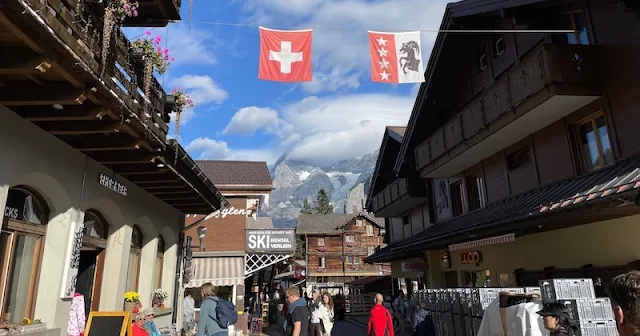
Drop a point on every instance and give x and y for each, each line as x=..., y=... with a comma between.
x=547, y=85
x=151, y=13
x=51, y=74
x=399, y=196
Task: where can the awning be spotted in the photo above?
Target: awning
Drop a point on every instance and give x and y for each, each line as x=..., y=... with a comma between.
x=339, y=274
x=601, y=185
x=220, y=271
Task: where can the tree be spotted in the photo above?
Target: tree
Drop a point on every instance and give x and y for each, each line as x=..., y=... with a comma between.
x=323, y=204
x=306, y=207
x=301, y=249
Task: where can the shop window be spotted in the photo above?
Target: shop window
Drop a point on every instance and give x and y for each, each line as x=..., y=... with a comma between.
x=475, y=279
x=95, y=225
x=133, y=272
x=159, y=261
x=321, y=241
x=322, y=262
x=475, y=192
x=575, y=21
x=519, y=159
x=370, y=230
x=21, y=238
x=594, y=145
x=353, y=260
x=350, y=238
x=482, y=56
x=497, y=43
x=359, y=222
x=457, y=198
x=405, y=220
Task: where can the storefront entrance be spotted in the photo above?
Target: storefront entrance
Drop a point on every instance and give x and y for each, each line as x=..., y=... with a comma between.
x=90, y=270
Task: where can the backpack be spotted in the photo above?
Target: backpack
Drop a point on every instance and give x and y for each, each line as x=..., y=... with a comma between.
x=226, y=313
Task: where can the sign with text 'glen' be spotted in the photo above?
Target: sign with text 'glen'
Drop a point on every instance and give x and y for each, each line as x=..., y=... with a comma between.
x=283, y=240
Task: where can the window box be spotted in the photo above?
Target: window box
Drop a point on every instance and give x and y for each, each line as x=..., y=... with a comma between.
x=351, y=244
x=322, y=249
x=321, y=269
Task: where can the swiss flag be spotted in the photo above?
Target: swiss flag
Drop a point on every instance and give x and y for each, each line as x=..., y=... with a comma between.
x=396, y=57
x=285, y=56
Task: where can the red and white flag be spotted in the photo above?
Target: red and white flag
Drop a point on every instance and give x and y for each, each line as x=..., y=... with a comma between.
x=285, y=56
x=396, y=57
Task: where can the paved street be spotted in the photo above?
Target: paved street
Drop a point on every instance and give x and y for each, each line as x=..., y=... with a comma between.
x=341, y=328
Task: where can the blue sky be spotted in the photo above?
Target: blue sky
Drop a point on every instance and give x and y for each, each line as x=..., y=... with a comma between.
x=340, y=114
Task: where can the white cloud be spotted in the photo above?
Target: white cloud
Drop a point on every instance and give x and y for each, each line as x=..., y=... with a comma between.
x=325, y=130
x=202, y=89
x=341, y=56
x=209, y=149
x=249, y=120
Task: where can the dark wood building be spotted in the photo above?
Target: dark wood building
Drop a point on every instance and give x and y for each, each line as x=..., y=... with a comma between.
x=337, y=245
x=526, y=143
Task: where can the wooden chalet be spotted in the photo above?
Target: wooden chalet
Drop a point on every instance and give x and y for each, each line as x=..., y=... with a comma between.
x=526, y=145
x=337, y=245
x=93, y=189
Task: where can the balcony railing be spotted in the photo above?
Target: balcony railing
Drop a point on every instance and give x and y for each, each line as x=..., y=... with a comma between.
x=399, y=196
x=550, y=83
x=80, y=27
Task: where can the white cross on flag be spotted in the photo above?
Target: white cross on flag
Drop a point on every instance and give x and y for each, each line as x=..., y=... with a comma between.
x=396, y=57
x=285, y=56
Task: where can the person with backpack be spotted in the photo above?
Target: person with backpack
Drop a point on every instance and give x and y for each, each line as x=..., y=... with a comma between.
x=216, y=314
x=380, y=321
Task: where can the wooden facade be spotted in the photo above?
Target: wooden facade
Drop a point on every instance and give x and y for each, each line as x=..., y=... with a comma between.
x=501, y=117
x=53, y=76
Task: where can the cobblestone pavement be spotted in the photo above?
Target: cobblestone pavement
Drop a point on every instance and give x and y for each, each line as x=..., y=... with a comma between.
x=341, y=328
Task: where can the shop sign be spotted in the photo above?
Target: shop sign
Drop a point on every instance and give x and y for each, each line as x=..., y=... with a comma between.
x=232, y=212
x=278, y=240
x=411, y=267
x=112, y=184
x=445, y=259
x=471, y=258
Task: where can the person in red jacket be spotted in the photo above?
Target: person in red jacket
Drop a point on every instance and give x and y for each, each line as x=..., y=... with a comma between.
x=380, y=321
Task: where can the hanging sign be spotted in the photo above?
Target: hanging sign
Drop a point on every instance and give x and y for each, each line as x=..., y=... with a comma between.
x=232, y=212
x=271, y=240
x=471, y=258
x=112, y=184
x=74, y=246
x=411, y=267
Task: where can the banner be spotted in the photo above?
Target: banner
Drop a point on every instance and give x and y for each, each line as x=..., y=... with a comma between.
x=396, y=57
x=271, y=241
x=285, y=56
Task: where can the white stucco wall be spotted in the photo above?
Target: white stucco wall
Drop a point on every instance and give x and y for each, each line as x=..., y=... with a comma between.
x=29, y=156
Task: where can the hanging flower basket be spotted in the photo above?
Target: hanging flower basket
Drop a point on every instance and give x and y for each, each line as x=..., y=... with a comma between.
x=114, y=14
x=181, y=103
x=151, y=52
x=351, y=244
x=322, y=249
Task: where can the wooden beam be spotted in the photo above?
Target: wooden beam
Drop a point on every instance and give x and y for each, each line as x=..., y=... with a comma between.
x=162, y=187
x=122, y=157
x=157, y=179
x=141, y=169
x=69, y=113
x=80, y=127
x=17, y=60
x=97, y=143
x=17, y=32
x=30, y=94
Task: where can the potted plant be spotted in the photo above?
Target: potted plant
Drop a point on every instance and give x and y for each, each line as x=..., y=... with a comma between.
x=321, y=269
x=154, y=57
x=132, y=302
x=115, y=12
x=29, y=326
x=159, y=295
x=351, y=244
x=181, y=102
x=322, y=249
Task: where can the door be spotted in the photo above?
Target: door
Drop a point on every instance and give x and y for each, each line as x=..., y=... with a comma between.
x=86, y=276
x=451, y=279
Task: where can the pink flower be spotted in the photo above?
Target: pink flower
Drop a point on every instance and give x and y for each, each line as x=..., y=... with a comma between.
x=148, y=33
x=173, y=59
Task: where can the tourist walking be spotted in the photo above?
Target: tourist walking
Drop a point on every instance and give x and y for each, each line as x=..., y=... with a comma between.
x=298, y=314
x=314, y=324
x=380, y=321
x=325, y=314
x=208, y=324
x=422, y=323
x=188, y=314
x=556, y=317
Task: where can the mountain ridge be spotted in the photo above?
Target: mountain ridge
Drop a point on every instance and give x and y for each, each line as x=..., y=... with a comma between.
x=345, y=181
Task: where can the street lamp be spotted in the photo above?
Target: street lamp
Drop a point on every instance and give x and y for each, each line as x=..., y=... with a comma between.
x=202, y=231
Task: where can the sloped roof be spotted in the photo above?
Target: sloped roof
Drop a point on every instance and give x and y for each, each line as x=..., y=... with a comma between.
x=320, y=223
x=259, y=223
x=396, y=132
x=238, y=174
x=331, y=223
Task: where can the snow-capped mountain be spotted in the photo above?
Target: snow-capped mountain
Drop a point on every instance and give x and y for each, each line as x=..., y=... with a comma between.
x=293, y=181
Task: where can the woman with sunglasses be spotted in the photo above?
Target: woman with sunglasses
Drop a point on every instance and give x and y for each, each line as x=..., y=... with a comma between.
x=137, y=328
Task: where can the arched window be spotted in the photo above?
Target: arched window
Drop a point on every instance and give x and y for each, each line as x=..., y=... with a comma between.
x=133, y=273
x=23, y=230
x=95, y=225
x=159, y=262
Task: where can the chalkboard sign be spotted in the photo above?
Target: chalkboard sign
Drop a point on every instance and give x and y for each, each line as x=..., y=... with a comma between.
x=108, y=324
